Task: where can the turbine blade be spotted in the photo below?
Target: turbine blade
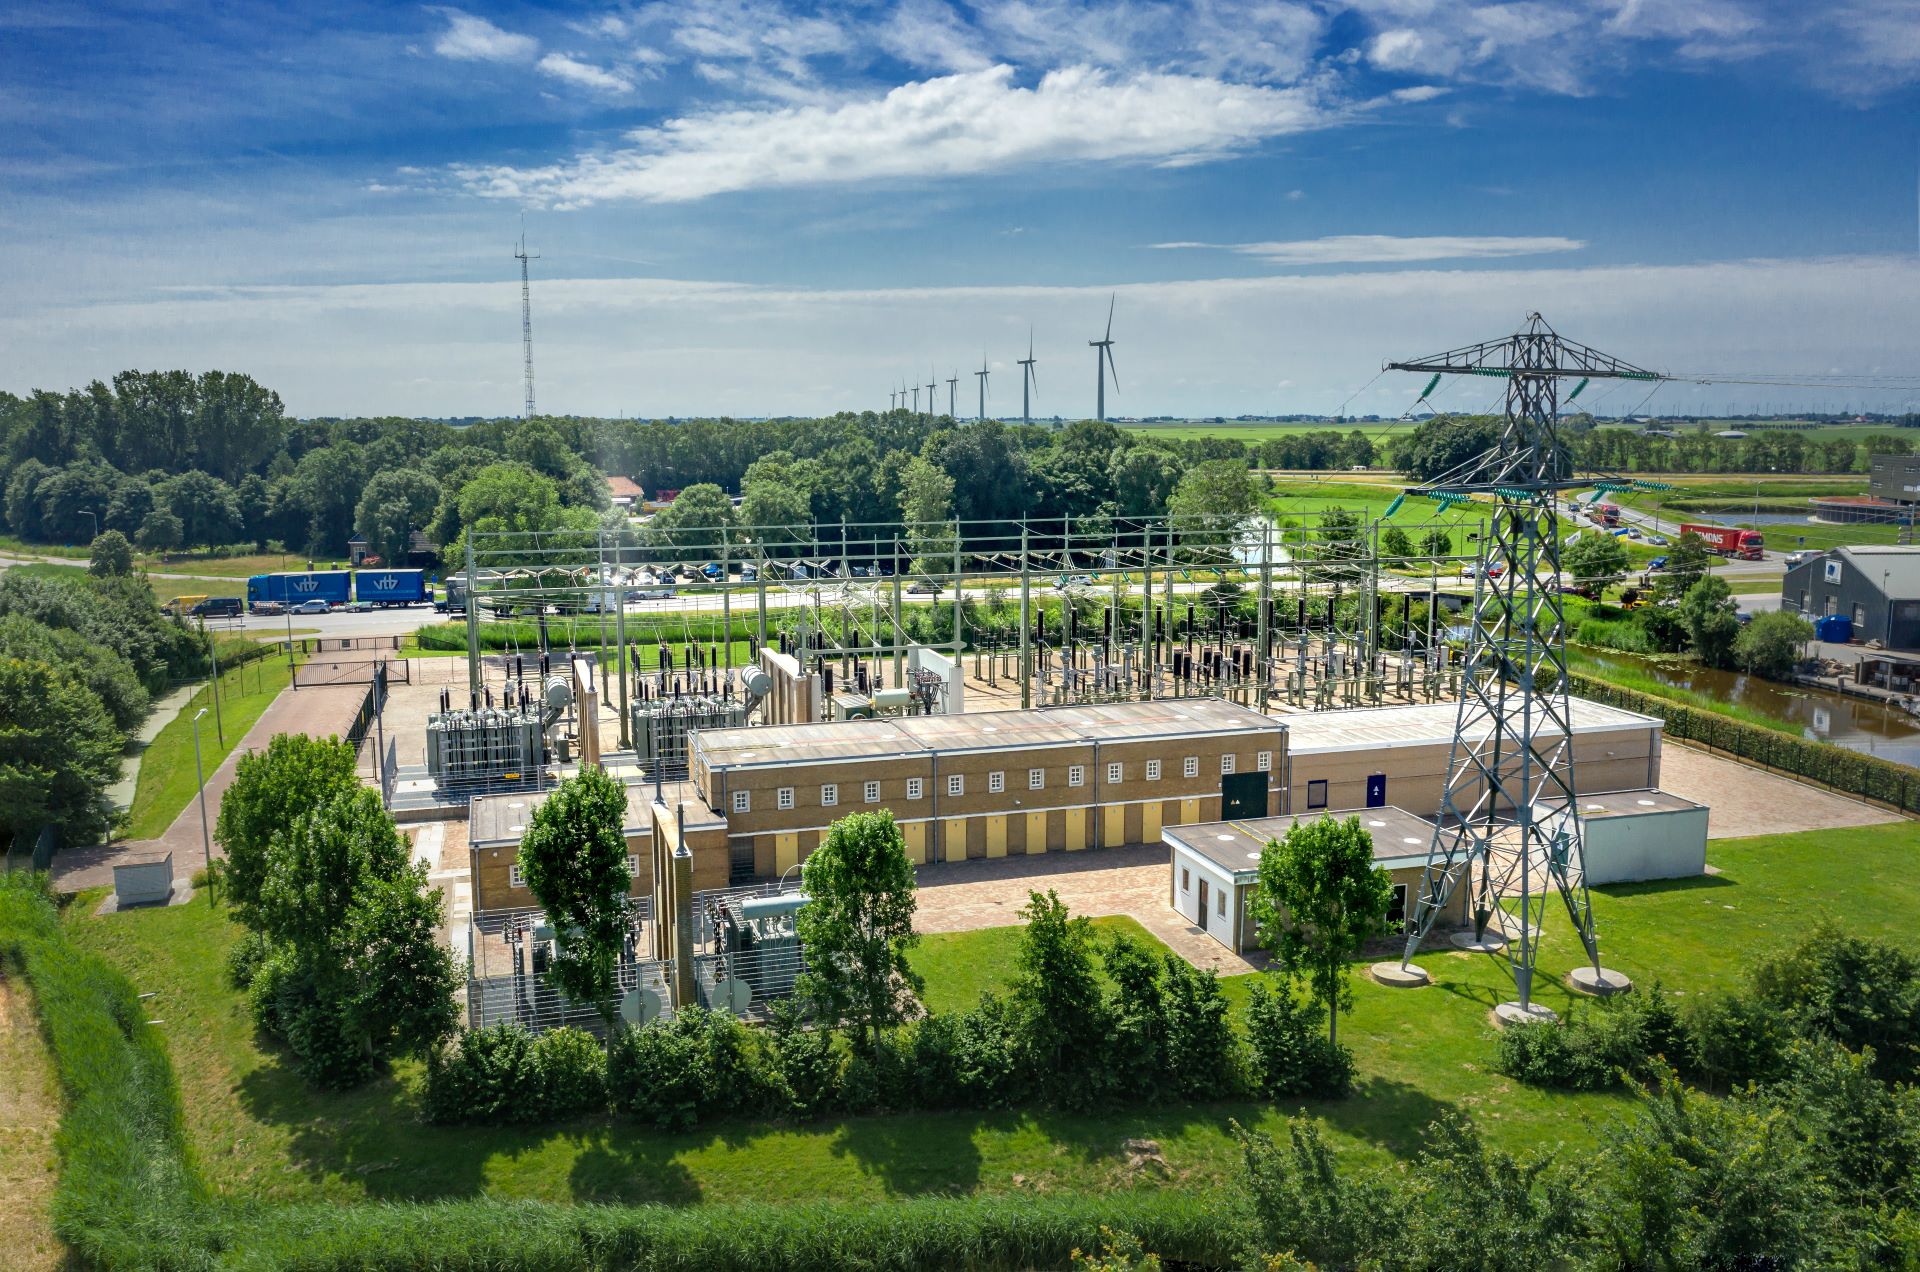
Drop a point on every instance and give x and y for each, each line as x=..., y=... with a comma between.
x=1114, y=370
x=1110, y=300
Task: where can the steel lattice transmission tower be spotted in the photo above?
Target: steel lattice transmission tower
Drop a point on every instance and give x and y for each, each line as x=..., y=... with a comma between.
x=1509, y=826
x=526, y=314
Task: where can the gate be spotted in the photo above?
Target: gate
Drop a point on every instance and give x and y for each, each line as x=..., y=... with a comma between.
x=1243, y=795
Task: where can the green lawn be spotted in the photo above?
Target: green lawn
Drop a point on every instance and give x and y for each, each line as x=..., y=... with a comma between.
x=258, y=1132
x=166, y=781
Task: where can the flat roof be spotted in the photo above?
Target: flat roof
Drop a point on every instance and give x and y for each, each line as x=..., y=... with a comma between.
x=1422, y=724
x=893, y=737
x=1234, y=846
x=1632, y=804
x=494, y=820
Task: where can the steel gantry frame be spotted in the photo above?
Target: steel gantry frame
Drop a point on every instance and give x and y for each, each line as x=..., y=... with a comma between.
x=1509, y=827
x=1174, y=583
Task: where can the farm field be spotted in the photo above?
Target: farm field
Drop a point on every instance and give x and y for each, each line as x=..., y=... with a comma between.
x=259, y=1133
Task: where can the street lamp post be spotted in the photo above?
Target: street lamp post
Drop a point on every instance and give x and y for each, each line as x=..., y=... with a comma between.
x=91, y=516
x=219, y=728
x=200, y=777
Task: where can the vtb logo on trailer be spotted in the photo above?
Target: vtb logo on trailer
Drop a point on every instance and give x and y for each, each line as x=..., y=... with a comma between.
x=385, y=584
x=307, y=584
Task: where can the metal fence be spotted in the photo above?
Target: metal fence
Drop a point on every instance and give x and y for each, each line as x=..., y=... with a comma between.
x=509, y=954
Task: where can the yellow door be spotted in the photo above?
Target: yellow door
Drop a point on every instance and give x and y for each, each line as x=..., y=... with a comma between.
x=956, y=839
x=1189, y=811
x=1076, y=829
x=786, y=850
x=1115, y=832
x=1036, y=832
x=915, y=834
x=996, y=836
x=1150, y=822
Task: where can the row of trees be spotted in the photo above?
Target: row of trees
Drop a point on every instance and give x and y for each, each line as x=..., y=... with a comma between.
x=342, y=955
x=82, y=655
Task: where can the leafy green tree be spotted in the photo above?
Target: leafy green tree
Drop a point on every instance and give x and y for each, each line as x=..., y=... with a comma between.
x=1594, y=559
x=395, y=504
x=857, y=927
x=207, y=508
x=926, y=505
x=1708, y=612
x=111, y=555
x=103, y=670
x=359, y=970
x=1438, y=542
x=1144, y=478
x=1395, y=542
x=1770, y=645
x=574, y=859
x=1688, y=561
x=23, y=497
x=161, y=531
x=538, y=444
x=1320, y=900
x=59, y=751
x=270, y=790
x=1338, y=542
x=1056, y=998
x=1213, y=500
x=1443, y=443
x=700, y=516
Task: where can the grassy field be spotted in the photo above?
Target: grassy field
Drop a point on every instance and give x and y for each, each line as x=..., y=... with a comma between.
x=258, y=1132
x=1262, y=431
x=166, y=781
x=29, y=1115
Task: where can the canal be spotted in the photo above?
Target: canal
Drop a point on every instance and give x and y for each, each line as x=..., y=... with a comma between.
x=1855, y=723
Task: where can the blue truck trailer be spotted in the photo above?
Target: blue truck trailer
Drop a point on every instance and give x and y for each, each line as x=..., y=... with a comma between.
x=390, y=587
x=331, y=586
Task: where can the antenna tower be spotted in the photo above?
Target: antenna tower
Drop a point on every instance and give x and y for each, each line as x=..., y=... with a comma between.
x=526, y=313
x=1509, y=826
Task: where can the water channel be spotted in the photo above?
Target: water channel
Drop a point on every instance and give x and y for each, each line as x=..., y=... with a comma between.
x=1823, y=715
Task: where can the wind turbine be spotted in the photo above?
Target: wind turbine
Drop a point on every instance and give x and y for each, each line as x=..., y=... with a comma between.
x=951, y=384
x=1029, y=383
x=981, y=374
x=893, y=397
x=934, y=384
x=916, y=399
x=1103, y=364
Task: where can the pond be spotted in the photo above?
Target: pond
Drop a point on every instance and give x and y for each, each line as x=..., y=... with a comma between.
x=1855, y=723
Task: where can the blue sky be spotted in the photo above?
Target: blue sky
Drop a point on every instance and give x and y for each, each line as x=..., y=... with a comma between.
x=761, y=208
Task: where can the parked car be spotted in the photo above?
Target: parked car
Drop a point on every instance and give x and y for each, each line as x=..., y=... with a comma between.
x=1632, y=533
x=315, y=606
x=1656, y=541
x=1658, y=563
x=712, y=570
x=1075, y=580
x=923, y=588
x=656, y=594
x=1469, y=572
x=358, y=607
x=218, y=607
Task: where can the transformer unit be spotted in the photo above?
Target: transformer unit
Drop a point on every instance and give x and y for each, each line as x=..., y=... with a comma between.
x=661, y=727
x=494, y=743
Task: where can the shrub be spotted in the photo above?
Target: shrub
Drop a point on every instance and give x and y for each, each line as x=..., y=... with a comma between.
x=1861, y=993
x=971, y=1059
x=1202, y=1055
x=487, y=1077
x=1735, y=1038
x=1289, y=1054
x=568, y=1070
x=675, y=1072
x=804, y=1066
x=882, y=1079
x=244, y=959
x=1549, y=1054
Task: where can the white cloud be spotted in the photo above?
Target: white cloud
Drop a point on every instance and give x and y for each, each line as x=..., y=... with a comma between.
x=953, y=125
x=585, y=74
x=663, y=346
x=1355, y=249
x=471, y=39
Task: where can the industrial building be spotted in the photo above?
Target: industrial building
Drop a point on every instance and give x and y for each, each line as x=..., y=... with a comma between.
x=1876, y=586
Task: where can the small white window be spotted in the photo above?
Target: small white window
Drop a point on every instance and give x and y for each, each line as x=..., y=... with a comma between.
x=633, y=865
x=1191, y=767
x=742, y=802
x=514, y=877
x=1226, y=763
x=996, y=782
x=1036, y=779
x=1076, y=775
x=872, y=792
x=1264, y=761
x=956, y=784
x=1153, y=770
x=913, y=788
x=829, y=795
x=1186, y=883
x=785, y=799
x=1113, y=773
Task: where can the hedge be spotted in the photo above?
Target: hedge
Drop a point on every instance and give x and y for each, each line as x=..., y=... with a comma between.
x=129, y=1198
x=582, y=631
x=1849, y=772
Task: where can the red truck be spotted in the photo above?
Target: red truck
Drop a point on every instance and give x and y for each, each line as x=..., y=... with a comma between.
x=1730, y=541
x=1605, y=514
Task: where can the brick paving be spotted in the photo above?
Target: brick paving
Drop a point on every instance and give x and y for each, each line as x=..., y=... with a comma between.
x=322, y=710
x=1743, y=800
x=963, y=896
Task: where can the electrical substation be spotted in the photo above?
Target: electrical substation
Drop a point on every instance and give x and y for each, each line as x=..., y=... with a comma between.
x=1006, y=689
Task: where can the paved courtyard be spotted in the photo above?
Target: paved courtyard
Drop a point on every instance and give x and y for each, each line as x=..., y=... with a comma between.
x=1743, y=800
